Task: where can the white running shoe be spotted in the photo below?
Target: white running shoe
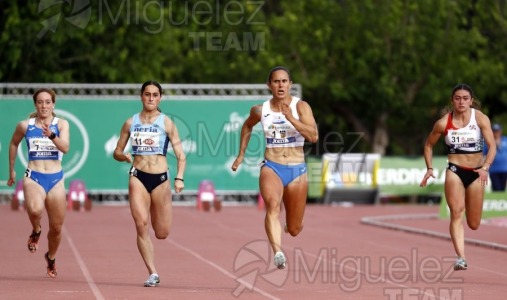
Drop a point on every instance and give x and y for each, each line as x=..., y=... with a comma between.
x=153, y=280
x=460, y=264
x=280, y=260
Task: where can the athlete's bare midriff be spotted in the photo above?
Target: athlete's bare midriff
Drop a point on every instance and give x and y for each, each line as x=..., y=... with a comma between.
x=154, y=164
x=285, y=156
x=48, y=166
x=472, y=160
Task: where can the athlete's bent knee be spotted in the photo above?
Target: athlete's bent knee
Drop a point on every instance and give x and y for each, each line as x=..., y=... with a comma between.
x=161, y=234
x=474, y=225
x=294, y=230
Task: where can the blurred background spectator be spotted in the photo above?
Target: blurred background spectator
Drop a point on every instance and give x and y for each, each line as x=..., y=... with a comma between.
x=498, y=169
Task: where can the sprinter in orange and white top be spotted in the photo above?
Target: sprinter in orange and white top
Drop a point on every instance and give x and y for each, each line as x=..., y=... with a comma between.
x=287, y=122
x=465, y=129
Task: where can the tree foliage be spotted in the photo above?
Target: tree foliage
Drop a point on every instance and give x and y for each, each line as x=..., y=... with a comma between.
x=376, y=73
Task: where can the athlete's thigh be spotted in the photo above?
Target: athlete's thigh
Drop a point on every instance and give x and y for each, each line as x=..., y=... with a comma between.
x=139, y=201
x=34, y=195
x=271, y=187
x=474, y=199
x=161, y=206
x=56, y=204
x=454, y=191
x=294, y=198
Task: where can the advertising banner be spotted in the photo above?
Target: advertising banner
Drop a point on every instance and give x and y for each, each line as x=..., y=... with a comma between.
x=393, y=175
x=398, y=175
x=209, y=130
x=495, y=205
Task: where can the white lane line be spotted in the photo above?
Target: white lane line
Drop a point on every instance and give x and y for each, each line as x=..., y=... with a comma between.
x=82, y=266
x=383, y=221
x=224, y=271
x=424, y=293
x=413, y=290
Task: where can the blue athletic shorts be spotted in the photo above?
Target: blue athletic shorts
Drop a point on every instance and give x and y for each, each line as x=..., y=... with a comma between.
x=47, y=181
x=286, y=173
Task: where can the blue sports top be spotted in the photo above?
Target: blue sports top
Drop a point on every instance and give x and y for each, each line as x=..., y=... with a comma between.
x=148, y=139
x=465, y=140
x=499, y=165
x=277, y=130
x=40, y=147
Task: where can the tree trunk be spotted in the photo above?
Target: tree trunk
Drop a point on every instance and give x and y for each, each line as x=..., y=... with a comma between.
x=381, y=135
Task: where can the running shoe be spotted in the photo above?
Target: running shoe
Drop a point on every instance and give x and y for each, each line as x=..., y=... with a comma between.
x=461, y=264
x=51, y=265
x=153, y=280
x=280, y=260
x=33, y=241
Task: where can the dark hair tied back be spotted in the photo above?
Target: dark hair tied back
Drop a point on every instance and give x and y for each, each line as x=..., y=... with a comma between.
x=278, y=68
x=155, y=83
x=151, y=82
x=463, y=86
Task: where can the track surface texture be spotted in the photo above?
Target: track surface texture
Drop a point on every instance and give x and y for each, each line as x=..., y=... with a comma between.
x=358, y=252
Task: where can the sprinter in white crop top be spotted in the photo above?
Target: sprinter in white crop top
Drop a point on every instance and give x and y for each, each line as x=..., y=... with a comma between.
x=287, y=122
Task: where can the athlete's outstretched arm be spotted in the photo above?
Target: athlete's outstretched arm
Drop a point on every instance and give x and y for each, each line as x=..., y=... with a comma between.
x=246, y=133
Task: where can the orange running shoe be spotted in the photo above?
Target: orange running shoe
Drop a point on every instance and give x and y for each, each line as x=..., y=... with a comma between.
x=51, y=265
x=33, y=240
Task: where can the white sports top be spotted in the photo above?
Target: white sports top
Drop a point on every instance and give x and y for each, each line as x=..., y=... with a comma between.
x=277, y=130
x=464, y=140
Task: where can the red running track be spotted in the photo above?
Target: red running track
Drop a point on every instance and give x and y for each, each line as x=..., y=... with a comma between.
x=225, y=255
